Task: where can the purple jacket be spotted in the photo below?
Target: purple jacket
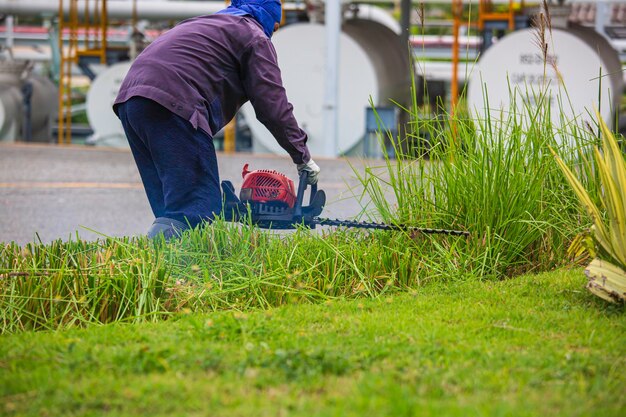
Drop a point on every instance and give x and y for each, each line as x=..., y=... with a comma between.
x=207, y=67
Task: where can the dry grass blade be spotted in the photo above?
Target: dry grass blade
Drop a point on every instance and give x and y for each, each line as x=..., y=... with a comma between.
x=548, y=18
x=539, y=22
x=420, y=14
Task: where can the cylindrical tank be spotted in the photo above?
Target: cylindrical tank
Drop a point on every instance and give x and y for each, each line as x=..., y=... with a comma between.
x=512, y=73
x=44, y=105
x=15, y=81
x=390, y=59
x=12, y=72
x=301, y=55
x=373, y=66
x=608, y=55
x=11, y=109
x=108, y=130
x=10, y=113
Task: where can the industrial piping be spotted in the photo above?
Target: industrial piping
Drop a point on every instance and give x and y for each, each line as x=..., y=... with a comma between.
x=146, y=9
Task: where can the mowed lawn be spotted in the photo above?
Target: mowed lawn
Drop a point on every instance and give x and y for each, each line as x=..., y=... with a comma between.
x=537, y=345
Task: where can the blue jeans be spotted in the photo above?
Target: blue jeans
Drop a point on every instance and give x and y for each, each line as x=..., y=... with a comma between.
x=177, y=163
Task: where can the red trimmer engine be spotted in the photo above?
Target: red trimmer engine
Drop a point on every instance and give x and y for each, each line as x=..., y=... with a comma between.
x=267, y=186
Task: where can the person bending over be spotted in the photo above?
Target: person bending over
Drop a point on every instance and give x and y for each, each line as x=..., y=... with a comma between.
x=183, y=88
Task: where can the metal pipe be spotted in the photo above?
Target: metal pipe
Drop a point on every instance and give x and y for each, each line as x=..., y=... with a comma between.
x=603, y=12
x=146, y=9
x=405, y=22
x=9, y=33
x=332, y=16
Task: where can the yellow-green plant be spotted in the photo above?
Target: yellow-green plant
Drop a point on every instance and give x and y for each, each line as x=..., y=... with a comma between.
x=607, y=272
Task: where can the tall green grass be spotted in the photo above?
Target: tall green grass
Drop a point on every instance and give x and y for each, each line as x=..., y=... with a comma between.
x=224, y=266
x=501, y=184
x=72, y=283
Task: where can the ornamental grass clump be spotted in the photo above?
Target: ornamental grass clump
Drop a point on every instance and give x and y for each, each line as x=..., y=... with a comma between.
x=607, y=272
x=502, y=185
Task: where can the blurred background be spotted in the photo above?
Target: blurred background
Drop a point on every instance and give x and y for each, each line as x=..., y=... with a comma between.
x=61, y=62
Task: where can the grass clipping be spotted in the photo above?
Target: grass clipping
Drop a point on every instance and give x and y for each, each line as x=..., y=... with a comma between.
x=606, y=273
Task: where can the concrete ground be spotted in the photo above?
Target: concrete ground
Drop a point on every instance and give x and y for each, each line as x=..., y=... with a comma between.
x=53, y=192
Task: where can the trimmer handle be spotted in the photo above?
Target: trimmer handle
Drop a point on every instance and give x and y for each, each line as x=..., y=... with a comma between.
x=302, y=186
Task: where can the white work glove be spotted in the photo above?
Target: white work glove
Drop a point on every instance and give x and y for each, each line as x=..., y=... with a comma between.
x=312, y=169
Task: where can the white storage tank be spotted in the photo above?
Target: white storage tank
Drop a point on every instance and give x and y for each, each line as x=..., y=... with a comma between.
x=108, y=130
x=511, y=76
x=373, y=66
x=44, y=105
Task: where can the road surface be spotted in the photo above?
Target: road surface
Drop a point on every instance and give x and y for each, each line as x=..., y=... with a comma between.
x=53, y=192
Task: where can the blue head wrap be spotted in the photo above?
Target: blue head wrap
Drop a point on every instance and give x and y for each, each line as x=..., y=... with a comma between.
x=266, y=12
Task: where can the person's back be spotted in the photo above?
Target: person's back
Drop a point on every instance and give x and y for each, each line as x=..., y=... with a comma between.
x=196, y=67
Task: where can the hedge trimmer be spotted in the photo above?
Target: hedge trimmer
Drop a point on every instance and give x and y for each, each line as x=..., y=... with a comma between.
x=268, y=199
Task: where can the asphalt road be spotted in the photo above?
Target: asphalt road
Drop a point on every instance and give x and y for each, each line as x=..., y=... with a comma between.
x=50, y=192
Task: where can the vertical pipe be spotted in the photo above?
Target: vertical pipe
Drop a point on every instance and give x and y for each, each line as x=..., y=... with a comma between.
x=105, y=24
x=9, y=33
x=133, y=50
x=72, y=58
x=602, y=17
x=87, y=23
x=332, y=17
x=405, y=22
x=60, y=119
x=405, y=36
x=53, y=36
x=230, y=136
x=457, y=8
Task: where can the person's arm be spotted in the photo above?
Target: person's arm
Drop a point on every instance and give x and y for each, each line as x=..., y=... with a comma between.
x=264, y=88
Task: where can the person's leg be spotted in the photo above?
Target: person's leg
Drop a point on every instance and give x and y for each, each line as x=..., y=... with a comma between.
x=132, y=113
x=185, y=162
